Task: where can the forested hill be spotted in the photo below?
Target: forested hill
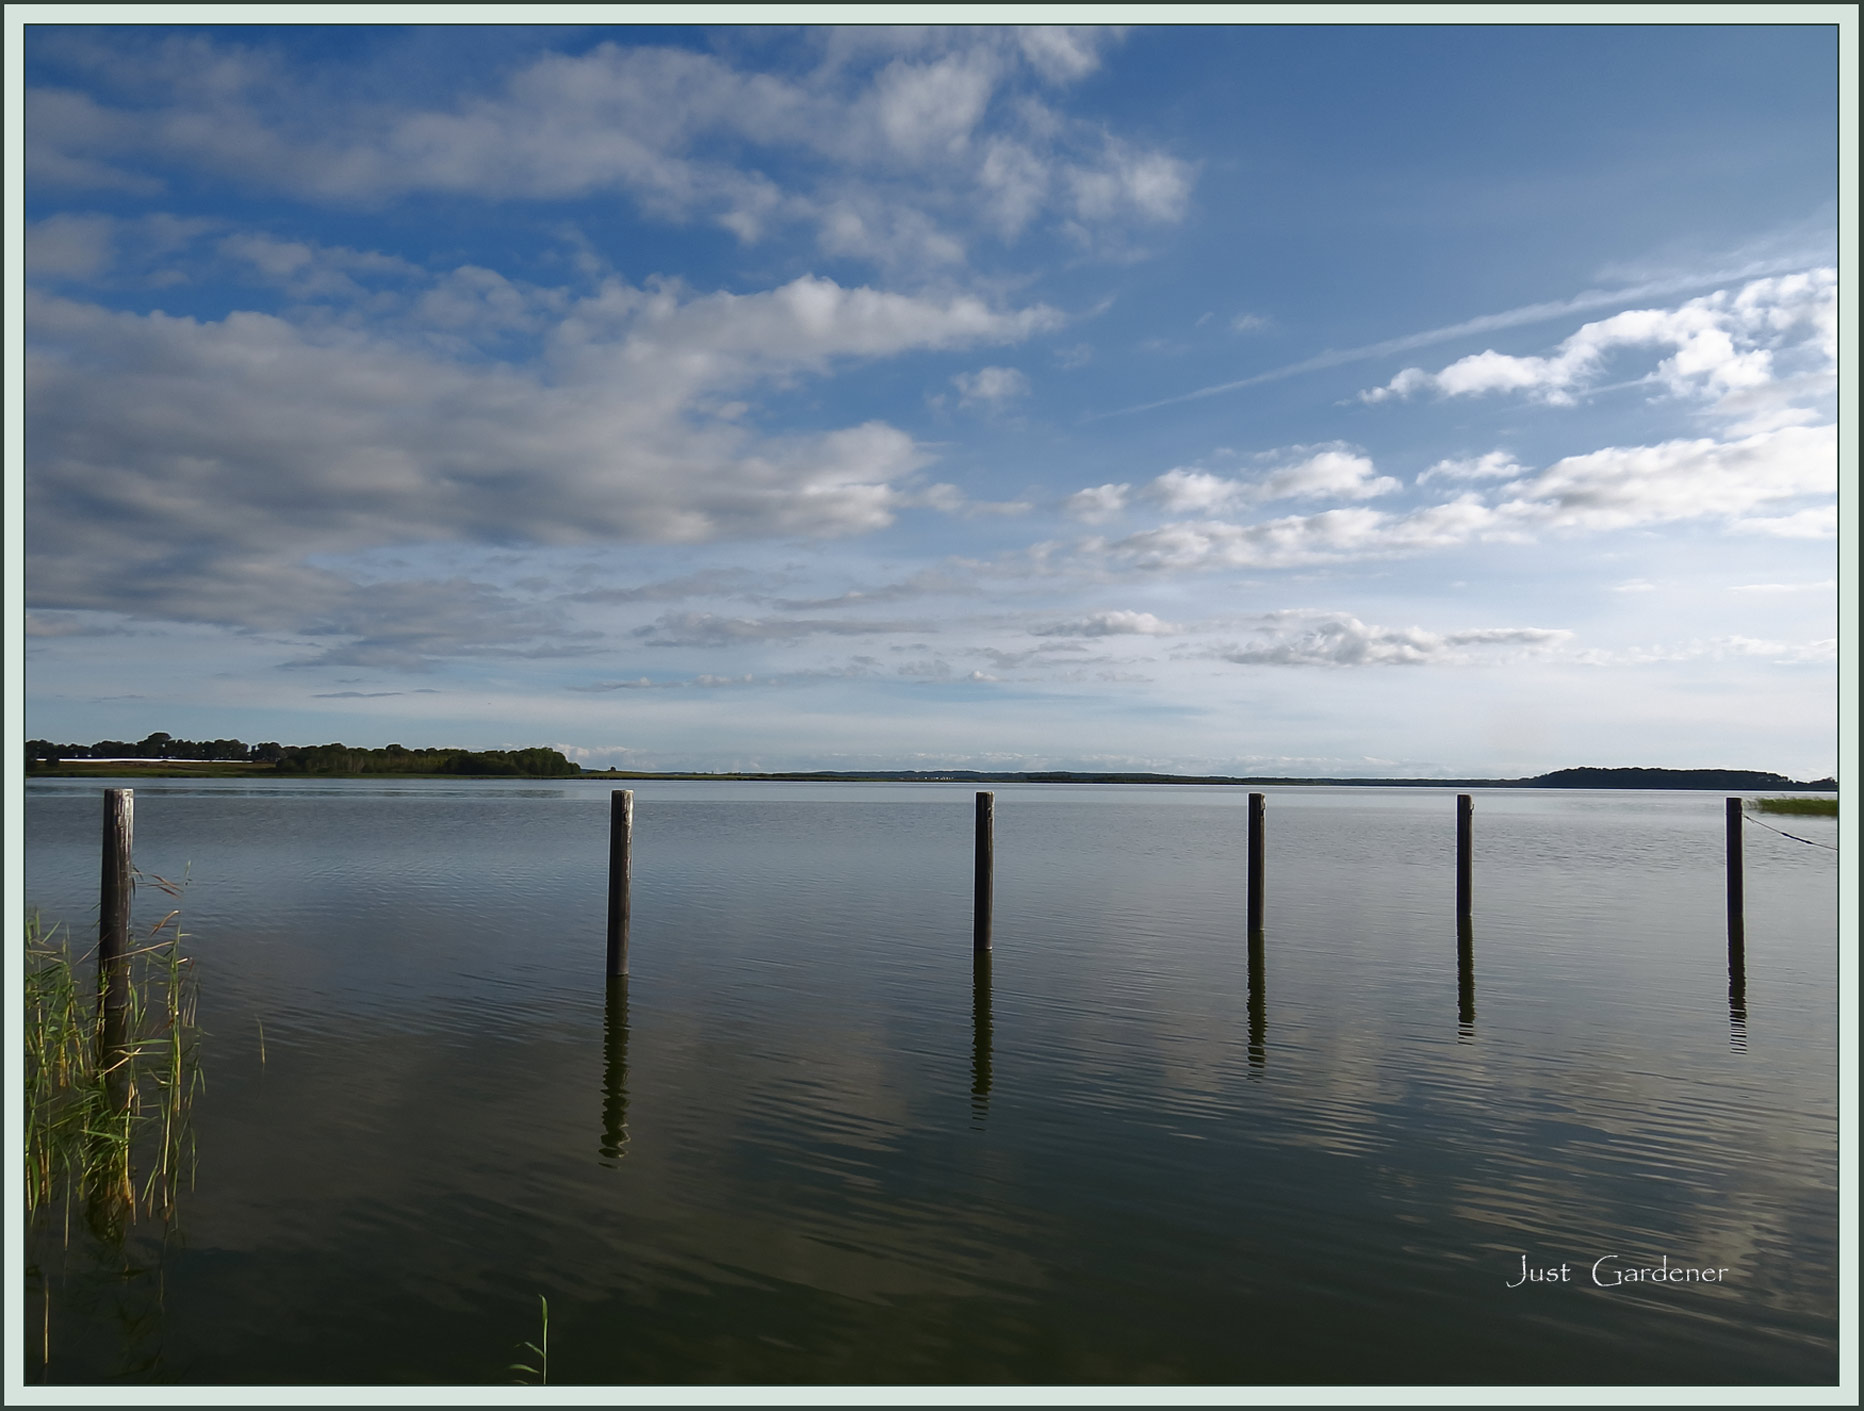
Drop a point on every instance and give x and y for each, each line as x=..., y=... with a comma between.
x=1736, y=779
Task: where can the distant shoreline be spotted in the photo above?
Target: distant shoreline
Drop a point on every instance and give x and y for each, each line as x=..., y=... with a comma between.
x=1739, y=780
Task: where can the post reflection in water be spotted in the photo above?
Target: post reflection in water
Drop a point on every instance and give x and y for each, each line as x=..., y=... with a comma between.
x=1737, y=1000
x=1465, y=979
x=110, y=1197
x=1258, y=1005
x=615, y=1072
x=980, y=1033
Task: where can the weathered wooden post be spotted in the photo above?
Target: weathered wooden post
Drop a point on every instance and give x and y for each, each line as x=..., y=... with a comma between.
x=985, y=867
x=1737, y=932
x=620, y=857
x=1256, y=826
x=1736, y=891
x=108, y=1188
x=1465, y=856
x=119, y=885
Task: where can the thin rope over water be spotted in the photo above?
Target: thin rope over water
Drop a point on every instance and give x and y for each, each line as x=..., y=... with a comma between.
x=1794, y=836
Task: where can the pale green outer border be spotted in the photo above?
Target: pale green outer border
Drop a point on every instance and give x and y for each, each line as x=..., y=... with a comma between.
x=1844, y=17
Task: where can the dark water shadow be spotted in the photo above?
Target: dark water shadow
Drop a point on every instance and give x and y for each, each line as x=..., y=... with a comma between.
x=980, y=1035
x=1737, y=994
x=615, y=1072
x=1465, y=980
x=109, y=1187
x=1258, y=1001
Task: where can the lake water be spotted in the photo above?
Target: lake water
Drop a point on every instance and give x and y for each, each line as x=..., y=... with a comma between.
x=810, y=1143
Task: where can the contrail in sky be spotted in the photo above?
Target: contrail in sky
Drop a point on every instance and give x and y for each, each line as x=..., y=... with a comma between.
x=1512, y=318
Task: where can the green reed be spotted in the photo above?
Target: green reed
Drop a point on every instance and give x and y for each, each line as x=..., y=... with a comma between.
x=1804, y=808
x=539, y=1349
x=98, y=1114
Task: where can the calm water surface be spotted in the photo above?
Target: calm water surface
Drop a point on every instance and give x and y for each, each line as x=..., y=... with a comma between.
x=810, y=1143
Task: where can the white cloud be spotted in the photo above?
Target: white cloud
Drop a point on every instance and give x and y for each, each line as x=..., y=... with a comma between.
x=1130, y=180
x=990, y=386
x=1294, y=540
x=1339, y=639
x=890, y=150
x=1824, y=585
x=1196, y=491
x=867, y=226
x=63, y=126
x=1751, y=484
x=1495, y=465
x=1062, y=53
x=477, y=301
x=1017, y=183
x=88, y=247
x=413, y=625
x=704, y=682
x=69, y=247
x=1714, y=649
x=255, y=442
x=949, y=499
x=1120, y=623
x=1098, y=503
x=1821, y=650
x=705, y=629
x=805, y=323
x=1416, y=379
x=1326, y=473
x=308, y=270
x=1619, y=487
x=75, y=624
x=1819, y=522
x=933, y=107
x=1722, y=348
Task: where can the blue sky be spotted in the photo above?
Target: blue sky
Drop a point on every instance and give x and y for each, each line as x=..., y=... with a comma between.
x=1426, y=400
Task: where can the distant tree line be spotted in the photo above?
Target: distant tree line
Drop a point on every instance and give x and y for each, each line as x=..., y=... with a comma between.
x=313, y=759
x=398, y=759
x=160, y=745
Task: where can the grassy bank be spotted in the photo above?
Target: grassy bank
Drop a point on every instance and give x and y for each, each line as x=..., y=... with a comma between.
x=1799, y=808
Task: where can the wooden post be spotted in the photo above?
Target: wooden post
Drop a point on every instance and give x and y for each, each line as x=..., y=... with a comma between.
x=620, y=856
x=1465, y=850
x=1256, y=828
x=1737, y=927
x=119, y=885
x=985, y=865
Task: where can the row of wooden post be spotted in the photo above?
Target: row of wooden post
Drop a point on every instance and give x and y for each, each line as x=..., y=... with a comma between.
x=119, y=883
x=983, y=887
x=984, y=852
